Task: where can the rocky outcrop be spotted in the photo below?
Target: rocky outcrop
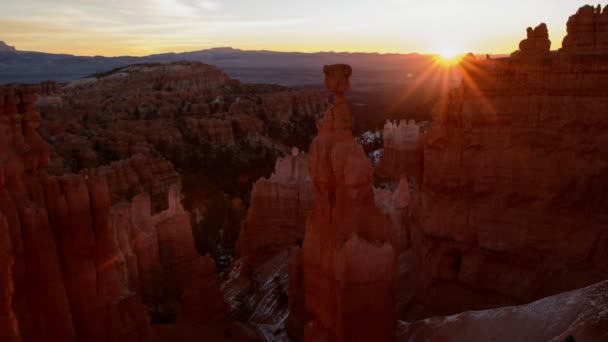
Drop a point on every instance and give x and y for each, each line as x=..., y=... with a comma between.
x=401, y=150
x=580, y=315
x=515, y=167
x=536, y=45
x=92, y=256
x=277, y=215
x=348, y=262
x=587, y=31
x=6, y=48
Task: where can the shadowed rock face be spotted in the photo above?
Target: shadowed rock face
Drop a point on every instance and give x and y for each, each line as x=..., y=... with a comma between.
x=512, y=203
x=587, y=31
x=89, y=256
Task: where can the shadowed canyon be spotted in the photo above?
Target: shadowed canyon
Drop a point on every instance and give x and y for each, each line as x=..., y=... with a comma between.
x=165, y=199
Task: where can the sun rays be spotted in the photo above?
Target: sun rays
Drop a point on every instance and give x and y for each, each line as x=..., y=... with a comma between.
x=444, y=73
x=448, y=58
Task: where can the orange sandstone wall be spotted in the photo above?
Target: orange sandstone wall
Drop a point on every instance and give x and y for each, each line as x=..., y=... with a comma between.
x=513, y=202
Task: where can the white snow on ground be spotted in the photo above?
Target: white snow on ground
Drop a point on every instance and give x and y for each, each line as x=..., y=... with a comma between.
x=376, y=156
x=262, y=295
x=369, y=137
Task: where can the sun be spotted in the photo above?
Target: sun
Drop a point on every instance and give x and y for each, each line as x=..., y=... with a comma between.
x=448, y=57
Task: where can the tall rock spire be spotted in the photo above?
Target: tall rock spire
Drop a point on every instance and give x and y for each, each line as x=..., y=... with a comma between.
x=348, y=259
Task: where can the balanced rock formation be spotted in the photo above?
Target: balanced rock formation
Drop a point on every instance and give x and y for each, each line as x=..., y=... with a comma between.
x=537, y=43
x=401, y=154
x=91, y=256
x=512, y=206
x=580, y=315
x=348, y=261
x=277, y=215
x=587, y=31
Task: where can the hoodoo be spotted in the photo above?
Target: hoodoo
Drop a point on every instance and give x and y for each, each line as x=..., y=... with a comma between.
x=348, y=260
x=402, y=150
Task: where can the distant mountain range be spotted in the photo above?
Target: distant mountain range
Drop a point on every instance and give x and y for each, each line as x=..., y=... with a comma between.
x=287, y=68
x=6, y=48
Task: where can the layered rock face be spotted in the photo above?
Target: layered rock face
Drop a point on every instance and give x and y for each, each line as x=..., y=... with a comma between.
x=90, y=254
x=580, y=315
x=587, y=31
x=515, y=183
x=402, y=153
x=277, y=215
x=348, y=262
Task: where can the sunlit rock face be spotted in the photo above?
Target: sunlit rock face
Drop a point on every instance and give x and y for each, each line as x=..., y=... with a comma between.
x=278, y=211
x=348, y=262
x=401, y=151
x=587, y=31
x=512, y=206
x=580, y=315
x=91, y=256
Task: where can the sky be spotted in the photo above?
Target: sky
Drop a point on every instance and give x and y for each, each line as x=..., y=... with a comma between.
x=142, y=27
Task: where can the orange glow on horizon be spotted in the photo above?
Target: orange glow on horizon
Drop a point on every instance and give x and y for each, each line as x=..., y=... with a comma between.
x=144, y=27
x=448, y=58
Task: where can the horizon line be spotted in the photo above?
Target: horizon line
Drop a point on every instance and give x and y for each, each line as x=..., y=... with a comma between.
x=263, y=50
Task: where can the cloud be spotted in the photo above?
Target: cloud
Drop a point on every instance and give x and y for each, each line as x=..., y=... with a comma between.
x=205, y=5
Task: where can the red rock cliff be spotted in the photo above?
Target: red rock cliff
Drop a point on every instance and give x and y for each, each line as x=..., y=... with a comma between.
x=512, y=207
x=587, y=31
